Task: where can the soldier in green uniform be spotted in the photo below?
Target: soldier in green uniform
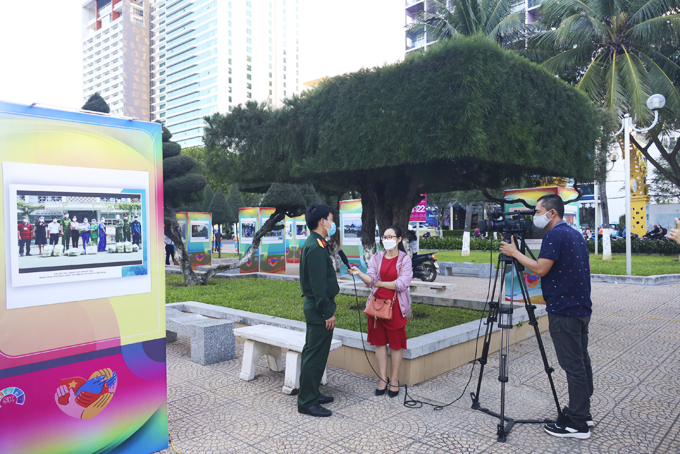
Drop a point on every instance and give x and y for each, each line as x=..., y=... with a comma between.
x=319, y=287
x=126, y=228
x=94, y=231
x=65, y=231
x=119, y=229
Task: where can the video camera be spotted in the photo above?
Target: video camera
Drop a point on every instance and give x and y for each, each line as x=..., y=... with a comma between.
x=514, y=224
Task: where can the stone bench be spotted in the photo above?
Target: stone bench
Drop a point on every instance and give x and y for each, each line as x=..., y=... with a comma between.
x=212, y=340
x=466, y=268
x=432, y=288
x=269, y=340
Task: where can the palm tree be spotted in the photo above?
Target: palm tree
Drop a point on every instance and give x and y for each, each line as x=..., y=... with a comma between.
x=493, y=18
x=616, y=51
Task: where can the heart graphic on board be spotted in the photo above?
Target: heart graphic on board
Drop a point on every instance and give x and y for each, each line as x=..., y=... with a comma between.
x=272, y=261
x=85, y=399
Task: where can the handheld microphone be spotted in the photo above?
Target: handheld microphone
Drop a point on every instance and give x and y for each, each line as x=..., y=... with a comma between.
x=343, y=257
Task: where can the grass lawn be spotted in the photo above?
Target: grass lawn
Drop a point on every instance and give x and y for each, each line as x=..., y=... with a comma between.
x=643, y=265
x=282, y=299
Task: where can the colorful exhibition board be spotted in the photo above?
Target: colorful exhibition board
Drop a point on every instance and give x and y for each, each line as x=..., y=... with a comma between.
x=296, y=235
x=82, y=330
x=196, y=231
x=350, y=236
x=248, y=220
x=531, y=195
x=272, y=247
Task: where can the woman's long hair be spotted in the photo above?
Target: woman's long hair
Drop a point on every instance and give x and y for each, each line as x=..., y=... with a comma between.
x=397, y=231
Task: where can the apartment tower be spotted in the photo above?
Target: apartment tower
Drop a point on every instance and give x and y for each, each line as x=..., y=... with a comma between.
x=211, y=55
x=116, y=55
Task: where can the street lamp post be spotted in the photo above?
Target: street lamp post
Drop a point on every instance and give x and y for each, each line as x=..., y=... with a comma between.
x=654, y=103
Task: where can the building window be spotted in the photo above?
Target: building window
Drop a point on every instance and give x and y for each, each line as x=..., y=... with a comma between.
x=249, y=86
x=249, y=95
x=230, y=80
x=270, y=83
x=249, y=50
x=229, y=89
x=270, y=92
x=284, y=76
x=249, y=13
x=270, y=75
x=229, y=98
x=284, y=85
x=229, y=70
x=249, y=58
x=284, y=92
x=249, y=23
x=249, y=41
x=284, y=51
x=230, y=61
x=270, y=66
x=284, y=68
x=249, y=68
x=284, y=59
x=249, y=77
x=249, y=31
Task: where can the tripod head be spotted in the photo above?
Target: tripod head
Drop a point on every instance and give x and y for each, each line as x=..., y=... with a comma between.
x=521, y=247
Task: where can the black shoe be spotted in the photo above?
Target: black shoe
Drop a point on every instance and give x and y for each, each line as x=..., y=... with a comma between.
x=393, y=393
x=567, y=431
x=564, y=420
x=325, y=399
x=316, y=410
x=29, y=255
x=381, y=392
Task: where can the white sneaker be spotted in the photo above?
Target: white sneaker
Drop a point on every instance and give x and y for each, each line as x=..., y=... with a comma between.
x=566, y=431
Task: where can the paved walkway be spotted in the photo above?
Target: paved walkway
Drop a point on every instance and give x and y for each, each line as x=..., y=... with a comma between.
x=634, y=346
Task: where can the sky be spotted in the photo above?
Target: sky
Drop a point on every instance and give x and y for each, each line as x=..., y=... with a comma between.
x=40, y=55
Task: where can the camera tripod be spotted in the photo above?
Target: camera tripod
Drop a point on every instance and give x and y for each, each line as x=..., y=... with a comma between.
x=501, y=313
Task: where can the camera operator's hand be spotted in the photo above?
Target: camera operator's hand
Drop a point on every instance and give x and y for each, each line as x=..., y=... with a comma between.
x=509, y=249
x=675, y=233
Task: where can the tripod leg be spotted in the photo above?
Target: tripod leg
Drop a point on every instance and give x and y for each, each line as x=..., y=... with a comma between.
x=491, y=319
x=505, y=324
x=530, y=308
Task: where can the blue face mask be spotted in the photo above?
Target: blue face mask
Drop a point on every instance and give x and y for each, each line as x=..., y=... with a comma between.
x=332, y=230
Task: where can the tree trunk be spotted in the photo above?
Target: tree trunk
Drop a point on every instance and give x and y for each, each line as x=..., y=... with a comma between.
x=466, y=234
x=606, y=236
x=367, y=220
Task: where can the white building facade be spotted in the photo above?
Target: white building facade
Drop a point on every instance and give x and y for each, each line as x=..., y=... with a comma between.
x=211, y=55
x=116, y=55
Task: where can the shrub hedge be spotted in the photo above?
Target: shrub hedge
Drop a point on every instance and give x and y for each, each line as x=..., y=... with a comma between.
x=639, y=247
x=453, y=233
x=618, y=246
x=457, y=244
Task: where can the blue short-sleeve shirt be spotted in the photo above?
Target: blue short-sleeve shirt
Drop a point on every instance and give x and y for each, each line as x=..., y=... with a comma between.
x=566, y=287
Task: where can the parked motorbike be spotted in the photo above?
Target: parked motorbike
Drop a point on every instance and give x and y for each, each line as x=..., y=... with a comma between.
x=425, y=267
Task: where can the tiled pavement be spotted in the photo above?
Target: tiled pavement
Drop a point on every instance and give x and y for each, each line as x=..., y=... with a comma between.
x=635, y=351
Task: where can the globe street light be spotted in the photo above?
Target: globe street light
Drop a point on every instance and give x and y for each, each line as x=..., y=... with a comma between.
x=654, y=103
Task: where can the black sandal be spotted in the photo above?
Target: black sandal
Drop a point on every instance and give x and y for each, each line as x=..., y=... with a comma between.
x=393, y=393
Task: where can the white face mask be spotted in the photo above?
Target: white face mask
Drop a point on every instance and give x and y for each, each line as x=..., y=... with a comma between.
x=389, y=244
x=541, y=221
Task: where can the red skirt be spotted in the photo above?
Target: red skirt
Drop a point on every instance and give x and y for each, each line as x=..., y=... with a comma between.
x=392, y=332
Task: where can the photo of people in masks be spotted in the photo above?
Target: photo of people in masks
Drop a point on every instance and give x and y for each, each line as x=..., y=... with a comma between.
x=71, y=230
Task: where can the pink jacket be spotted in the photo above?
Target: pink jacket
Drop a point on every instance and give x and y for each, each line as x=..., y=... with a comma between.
x=402, y=282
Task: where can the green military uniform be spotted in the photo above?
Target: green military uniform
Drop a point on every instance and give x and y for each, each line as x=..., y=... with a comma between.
x=66, y=230
x=94, y=232
x=119, y=231
x=126, y=230
x=319, y=287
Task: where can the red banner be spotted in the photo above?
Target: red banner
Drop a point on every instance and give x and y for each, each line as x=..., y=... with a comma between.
x=419, y=212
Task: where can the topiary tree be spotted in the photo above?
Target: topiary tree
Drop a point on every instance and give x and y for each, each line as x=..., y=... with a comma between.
x=96, y=104
x=208, y=197
x=181, y=185
x=219, y=208
x=464, y=115
x=235, y=201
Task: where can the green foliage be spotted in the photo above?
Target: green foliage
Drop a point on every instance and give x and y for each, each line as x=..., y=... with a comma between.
x=618, y=53
x=220, y=209
x=492, y=18
x=96, y=104
x=456, y=243
x=129, y=207
x=208, y=195
x=234, y=201
x=182, y=184
x=167, y=135
x=465, y=113
x=282, y=299
x=285, y=197
x=310, y=195
x=171, y=149
x=639, y=246
x=26, y=208
x=176, y=166
x=453, y=233
x=622, y=222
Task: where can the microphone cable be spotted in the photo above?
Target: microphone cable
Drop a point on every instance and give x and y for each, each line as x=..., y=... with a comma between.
x=409, y=402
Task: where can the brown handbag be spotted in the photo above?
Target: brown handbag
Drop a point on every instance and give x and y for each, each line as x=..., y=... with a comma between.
x=381, y=308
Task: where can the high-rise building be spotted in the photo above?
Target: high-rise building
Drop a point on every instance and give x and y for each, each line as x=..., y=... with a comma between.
x=419, y=39
x=116, y=55
x=211, y=55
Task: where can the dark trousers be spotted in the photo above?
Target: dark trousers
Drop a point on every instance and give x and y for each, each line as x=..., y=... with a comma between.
x=313, y=363
x=126, y=235
x=54, y=239
x=136, y=238
x=26, y=243
x=66, y=239
x=169, y=252
x=570, y=338
x=74, y=239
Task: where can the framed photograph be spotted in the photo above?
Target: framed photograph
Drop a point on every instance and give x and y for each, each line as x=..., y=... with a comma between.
x=86, y=265
x=200, y=231
x=289, y=230
x=301, y=230
x=351, y=229
x=272, y=237
x=248, y=229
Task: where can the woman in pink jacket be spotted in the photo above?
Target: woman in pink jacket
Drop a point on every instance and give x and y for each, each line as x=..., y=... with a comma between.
x=389, y=272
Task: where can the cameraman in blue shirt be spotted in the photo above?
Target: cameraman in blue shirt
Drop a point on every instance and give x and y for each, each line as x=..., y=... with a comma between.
x=564, y=268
